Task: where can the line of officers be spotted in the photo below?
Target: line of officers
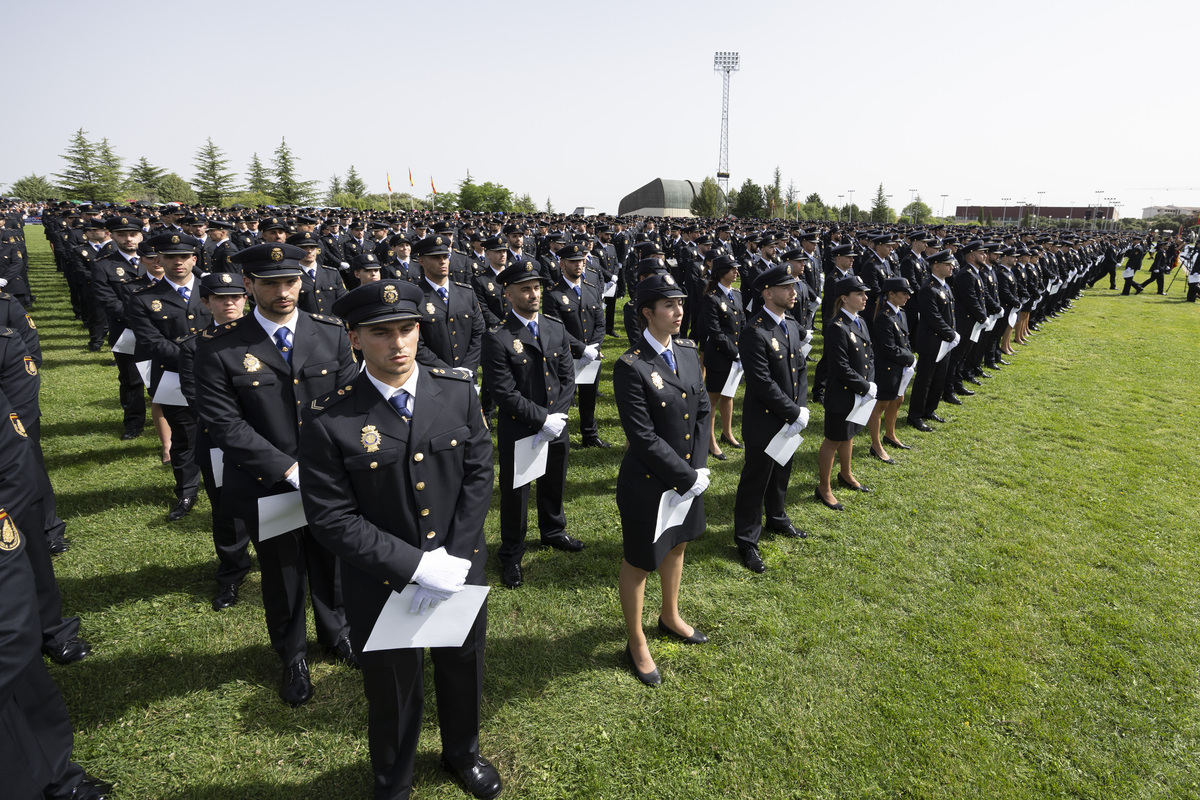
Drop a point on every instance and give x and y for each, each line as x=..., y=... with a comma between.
x=248, y=381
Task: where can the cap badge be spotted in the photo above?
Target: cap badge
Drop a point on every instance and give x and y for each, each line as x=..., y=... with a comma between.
x=667, y=279
x=518, y=346
x=156, y=305
x=17, y=426
x=277, y=254
x=390, y=295
x=124, y=221
x=370, y=438
x=437, y=240
x=10, y=537
x=226, y=277
x=174, y=240
x=529, y=266
x=251, y=363
x=656, y=379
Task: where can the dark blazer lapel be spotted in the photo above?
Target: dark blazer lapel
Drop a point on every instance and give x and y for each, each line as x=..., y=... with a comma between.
x=378, y=412
x=427, y=407
x=304, y=342
x=522, y=332
x=659, y=364
x=262, y=346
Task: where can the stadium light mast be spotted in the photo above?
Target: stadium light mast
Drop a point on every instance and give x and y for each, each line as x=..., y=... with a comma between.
x=725, y=63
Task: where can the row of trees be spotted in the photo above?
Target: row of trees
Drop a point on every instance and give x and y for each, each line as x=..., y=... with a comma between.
x=93, y=171
x=772, y=201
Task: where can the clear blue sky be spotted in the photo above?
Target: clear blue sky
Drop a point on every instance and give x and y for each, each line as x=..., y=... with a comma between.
x=582, y=103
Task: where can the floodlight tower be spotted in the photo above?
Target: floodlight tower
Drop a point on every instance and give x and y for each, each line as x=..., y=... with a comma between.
x=725, y=63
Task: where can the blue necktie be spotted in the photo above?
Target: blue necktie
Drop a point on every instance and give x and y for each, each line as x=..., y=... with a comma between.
x=579, y=292
x=858, y=324
x=730, y=297
x=283, y=340
x=669, y=357
x=399, y=401
x=185, y=293
x=533, y=328
x=441, y=290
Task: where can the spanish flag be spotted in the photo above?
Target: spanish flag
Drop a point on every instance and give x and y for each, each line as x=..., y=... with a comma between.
x=410, y=183
x=431, y=186
x=389, y=180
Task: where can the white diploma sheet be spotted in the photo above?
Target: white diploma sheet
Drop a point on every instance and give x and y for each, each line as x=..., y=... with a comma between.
x=445, y=626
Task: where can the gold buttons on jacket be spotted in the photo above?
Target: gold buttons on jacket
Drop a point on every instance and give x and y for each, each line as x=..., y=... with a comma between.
x=454, y=442
x=419, y=457
x=430, y=535
x=424, y=512
x=420, y=486
x=374, y=465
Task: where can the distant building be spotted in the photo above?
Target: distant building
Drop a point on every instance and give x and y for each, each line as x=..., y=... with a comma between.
x=661, y=198
x=1012, y=215
x=584, y=211
x=1161, y=211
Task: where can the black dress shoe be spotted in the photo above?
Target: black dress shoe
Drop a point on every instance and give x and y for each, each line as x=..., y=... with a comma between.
x=597, y=442
x=343, y=651
x=894, y=443
x=818, y=397
x=891, y=461
x=225, y=598
x=296, y=689
x=94, y=347
x=964, y=391
x=982, y=374
x=791, y=531
x=480, y=779
x=181, y=508
x=827, y=504
x=564, y=542
x=918, y=424
x=718, y=456
x=951, y=399
x=1005, y=363
x=936, y=418
x=70, y=651
x=59, y=546
x=735, y=445
x=852, y=487
x=651, y=678
x=91, y=788
x=512, y=577
x=131, y=433
x=752, y=560
x=696, y=638
x=973, y=381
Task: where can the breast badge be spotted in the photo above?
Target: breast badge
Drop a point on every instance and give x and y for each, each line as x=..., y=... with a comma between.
x=775, y=344
x=156, y=305
x=518, y=346
x=251, y=363
x=656, y=379
x=370, y=438
x=429, y=308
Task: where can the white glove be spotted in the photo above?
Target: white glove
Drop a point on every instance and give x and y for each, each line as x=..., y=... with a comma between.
x=793, y=429
x=697, y=488
x=909, y=370
x=808, y=336
x=803, y=418
x=294, y=476
x=442, y=572
x=345, y=265
x=957, y=339
x=591, y=353
x=553, y=427
x=872, y=390
x=425, y=599
x=3, y=282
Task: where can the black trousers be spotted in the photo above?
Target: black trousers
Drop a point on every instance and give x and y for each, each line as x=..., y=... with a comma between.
x=1155, y=278
x=514, y=503
x=230, y=540
x=132, y=391
x=56, y=629
x=183, y=422
x=396, y=700
x=293, y=565
x=928, y=383
x=36, y=738
x=585, y=399
x=763, y=484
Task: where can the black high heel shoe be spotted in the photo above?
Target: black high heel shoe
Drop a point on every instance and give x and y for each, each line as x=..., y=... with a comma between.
x=834, y=506
x=651, y=678
x=874, y=454
x=718, y=456
x=889, y=440
x=735, y=445
x=851, y=486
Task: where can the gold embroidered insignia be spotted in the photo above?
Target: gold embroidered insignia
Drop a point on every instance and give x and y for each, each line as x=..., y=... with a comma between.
x=156, y=305
x=251, y=363
x=277, y=254
x=226, y=277
x=853, y=340
x=17, y=426
x=565, y=300
x=10, y=537
x=390, y=295
x=429, y=307
x=124, y=221
x=774, y=344
x=174, y=240
x=370, y=438
x=491, y=286
x=657, y=380
x=120, y=272
x=32, y=324
x=30, y=365
x=518, y=346
x=724, y=307
x=668, y=280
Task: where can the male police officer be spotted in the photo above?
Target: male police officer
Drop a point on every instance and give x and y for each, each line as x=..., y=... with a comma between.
x=397, y=476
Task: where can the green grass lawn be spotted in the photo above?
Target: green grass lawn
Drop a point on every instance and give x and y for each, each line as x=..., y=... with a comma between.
x=1012, y=613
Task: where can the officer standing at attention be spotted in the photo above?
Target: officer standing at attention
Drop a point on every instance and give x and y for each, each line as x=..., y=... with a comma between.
x=528, y=369
x=579, y=305
x=254, y=380
x=159, y=315
x=320, y=286
x=114, y=277
x=397, y=476
x=451, y=324
x=776, y=396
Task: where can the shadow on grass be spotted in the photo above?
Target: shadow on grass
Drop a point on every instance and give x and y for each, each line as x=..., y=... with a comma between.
x=99, y=593
x=353, y=780
x=85, y=427
x=522, y=667
x=93, y=501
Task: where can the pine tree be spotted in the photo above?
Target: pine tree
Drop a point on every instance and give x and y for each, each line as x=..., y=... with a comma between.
x=880, y=212
x=335, y=188
x=145, y=176
x=287, y=186
x=708, y=202
x=80, y=179
x=212, y=183
x=108, y=173
x=354, y=184
x=174, y=189
x=258, y=178
x=32, y=187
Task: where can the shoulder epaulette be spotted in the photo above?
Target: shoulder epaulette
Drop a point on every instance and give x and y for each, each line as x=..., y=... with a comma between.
x=223, y=329
x=182, y=339
x=329, y=319
x=628, y=357
x=139, y=289
x=686, y=343
x=586, y=282
x=439, y=372
x=464, y=285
